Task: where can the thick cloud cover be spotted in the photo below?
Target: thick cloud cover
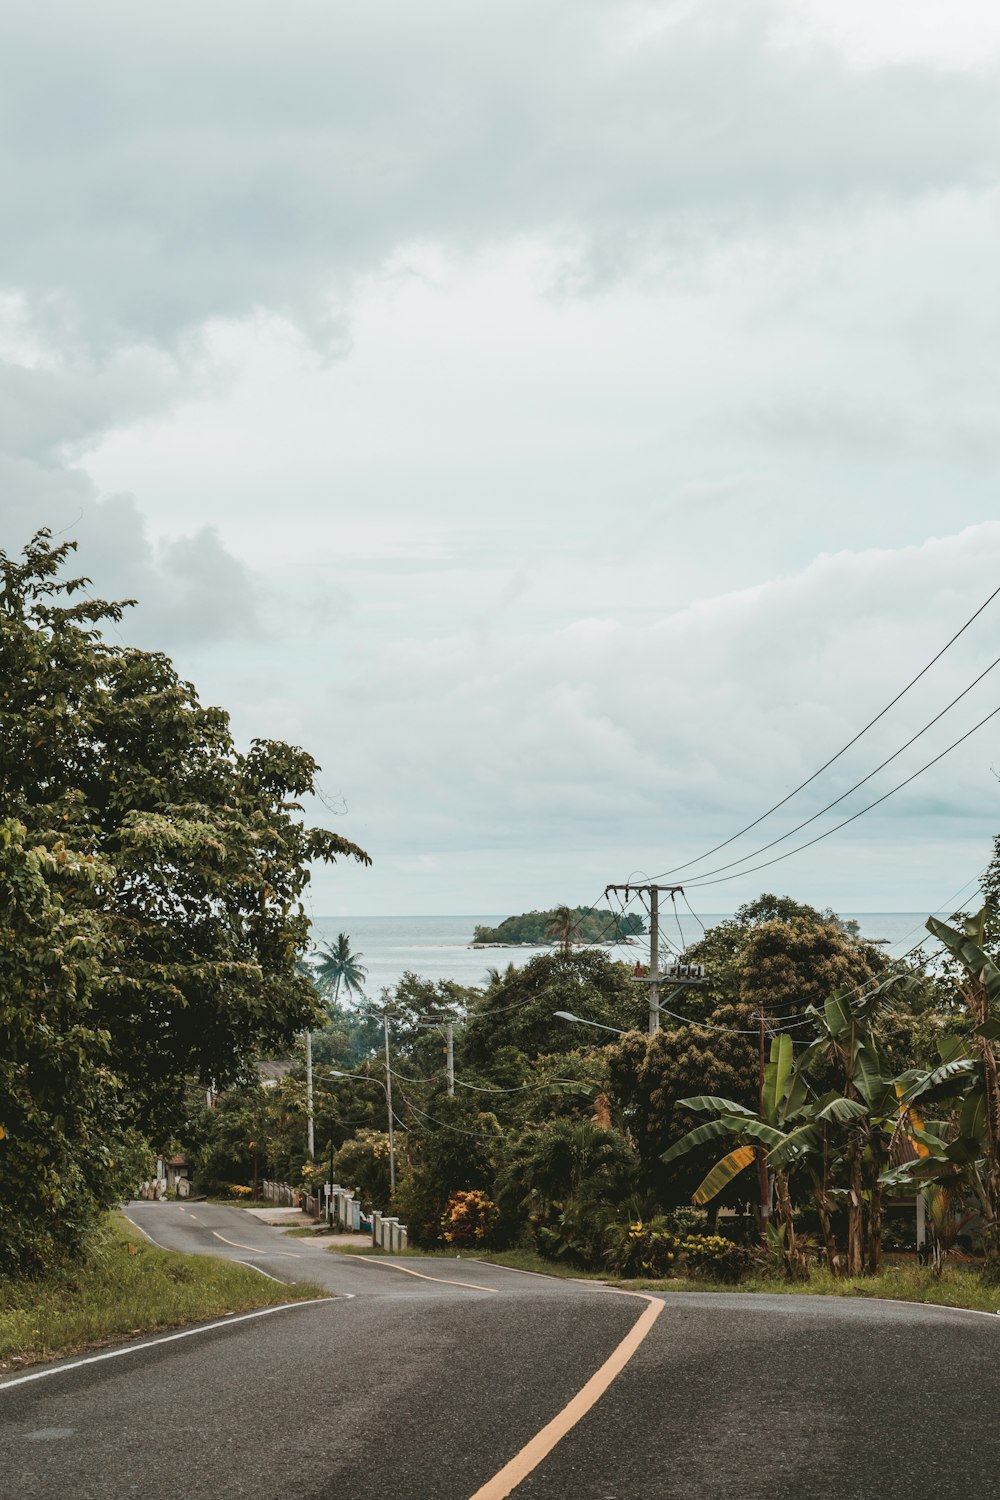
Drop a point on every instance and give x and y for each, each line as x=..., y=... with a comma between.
x=571, y=421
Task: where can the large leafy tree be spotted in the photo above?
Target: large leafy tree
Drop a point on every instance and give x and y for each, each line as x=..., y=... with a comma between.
x=196, y=919
x=62, y=1132
x=518, y=1010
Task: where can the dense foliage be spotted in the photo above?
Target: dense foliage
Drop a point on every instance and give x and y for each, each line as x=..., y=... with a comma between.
x=152, y=878
x=563, y=924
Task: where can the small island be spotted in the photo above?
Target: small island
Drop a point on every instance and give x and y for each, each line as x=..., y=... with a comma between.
x=565, y=925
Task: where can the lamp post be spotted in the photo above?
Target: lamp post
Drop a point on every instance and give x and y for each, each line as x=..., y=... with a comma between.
x=567, y=1015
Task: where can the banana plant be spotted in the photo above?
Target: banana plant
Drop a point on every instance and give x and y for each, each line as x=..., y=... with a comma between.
x=784, y=1097
x=859, y=1117
x=962, y=1152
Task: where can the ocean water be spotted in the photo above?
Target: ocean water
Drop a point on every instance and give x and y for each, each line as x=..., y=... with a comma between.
x=440, y=947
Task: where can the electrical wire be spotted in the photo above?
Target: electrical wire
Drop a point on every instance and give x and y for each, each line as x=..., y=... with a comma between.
x=404, y=1078
x=842, y=751
x=526, y=1087
x=857, y=785
x=482, y=1135
x=693, y=912
x=699, y=883
x=677, y=919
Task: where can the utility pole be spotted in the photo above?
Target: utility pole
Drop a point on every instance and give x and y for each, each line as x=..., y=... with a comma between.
x=654, y=977
x=765, y=1185
x=449, y=1032
x=388, y=1101
x=310, y=1132
x=654, y=960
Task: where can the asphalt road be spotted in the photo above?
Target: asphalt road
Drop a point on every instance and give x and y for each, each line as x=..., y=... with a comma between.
x=424, y=1389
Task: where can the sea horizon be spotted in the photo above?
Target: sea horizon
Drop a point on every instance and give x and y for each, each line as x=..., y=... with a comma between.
x=439, y=946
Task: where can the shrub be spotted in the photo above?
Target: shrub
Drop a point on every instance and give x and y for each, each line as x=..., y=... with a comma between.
x=573, y=1232
x=418, y=1202
x=642, y=1248
x=362, y=1163
x=239, y=1190
x=468, y=1219
x=715, y=1258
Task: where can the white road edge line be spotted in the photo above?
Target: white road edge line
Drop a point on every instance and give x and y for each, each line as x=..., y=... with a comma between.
x=255, y=1249
x=167, y=1338
x=251, y=1267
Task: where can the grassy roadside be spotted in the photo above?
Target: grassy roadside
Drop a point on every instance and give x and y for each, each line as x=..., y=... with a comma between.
x=125, y=1286
x=954, y=1288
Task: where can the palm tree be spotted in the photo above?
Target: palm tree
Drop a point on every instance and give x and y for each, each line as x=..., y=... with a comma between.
x=336, y=965
x=562, y=927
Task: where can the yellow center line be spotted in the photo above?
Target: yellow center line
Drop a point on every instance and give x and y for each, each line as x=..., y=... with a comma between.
x=469, y=1286
x=541, y=1445
x=254, y=1249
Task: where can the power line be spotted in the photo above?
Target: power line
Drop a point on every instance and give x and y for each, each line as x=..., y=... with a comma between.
x=693, y=912
x=837, y=800
x=526, y=1087
x=696, y=884
x=842, y=751
x=482, y=1135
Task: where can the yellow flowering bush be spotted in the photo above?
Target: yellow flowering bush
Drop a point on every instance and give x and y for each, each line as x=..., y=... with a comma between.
x=468, y=1219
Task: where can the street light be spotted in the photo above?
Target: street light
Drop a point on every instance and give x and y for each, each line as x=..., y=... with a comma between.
x=567, y=1015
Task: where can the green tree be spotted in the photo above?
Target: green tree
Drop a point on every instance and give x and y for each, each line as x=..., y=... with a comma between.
x=335, y=965
x=198, y=918
x=189, y=861
x=519, y=1011
x=63, y=1132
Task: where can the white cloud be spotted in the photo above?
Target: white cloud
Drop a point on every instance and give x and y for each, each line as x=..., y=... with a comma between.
x=549, y=435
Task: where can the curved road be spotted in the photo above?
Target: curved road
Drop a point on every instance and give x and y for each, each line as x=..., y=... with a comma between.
x=429, y=1386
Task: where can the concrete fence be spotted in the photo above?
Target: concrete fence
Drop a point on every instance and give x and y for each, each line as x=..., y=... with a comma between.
x=342, y=1210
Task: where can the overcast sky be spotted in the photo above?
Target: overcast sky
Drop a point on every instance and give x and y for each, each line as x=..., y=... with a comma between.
x=570, y=420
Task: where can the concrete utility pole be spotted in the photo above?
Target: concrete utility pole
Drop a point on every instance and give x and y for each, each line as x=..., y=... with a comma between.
x=449, y=1032
x=654, y=976
x=388, y=1101
x=762, y=1172
x=310, y=1132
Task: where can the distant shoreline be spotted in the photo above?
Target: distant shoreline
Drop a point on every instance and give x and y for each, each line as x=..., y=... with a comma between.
x=626, y=942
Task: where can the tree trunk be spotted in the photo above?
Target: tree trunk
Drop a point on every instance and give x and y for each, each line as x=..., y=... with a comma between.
x=823, y=1209
x=855, y=1213
x=875, y=1210
x=991, y=1183
x=875, y=1229
x=794, y=1263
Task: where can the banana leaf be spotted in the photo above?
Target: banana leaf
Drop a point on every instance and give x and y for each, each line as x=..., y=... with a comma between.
x=866, y=1077
x=837, y=1014
x=972, y=1120
x=841, y=1111
x=950, y=1048
x=969, y=954
x=794, y=1145
x=722, y=1174
x=710, y=1131
x=797, y=1096
x=704, y=1103
x=776, y=1074
x=948, y=1074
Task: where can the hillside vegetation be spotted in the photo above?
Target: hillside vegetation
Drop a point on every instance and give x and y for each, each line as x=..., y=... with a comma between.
x=588, y=926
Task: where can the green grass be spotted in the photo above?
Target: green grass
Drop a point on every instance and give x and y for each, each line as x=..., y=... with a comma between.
x=954, y=1288
x=116, y=1291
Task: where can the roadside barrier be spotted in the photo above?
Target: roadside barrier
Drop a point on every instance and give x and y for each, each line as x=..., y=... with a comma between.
x=342, y=1210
